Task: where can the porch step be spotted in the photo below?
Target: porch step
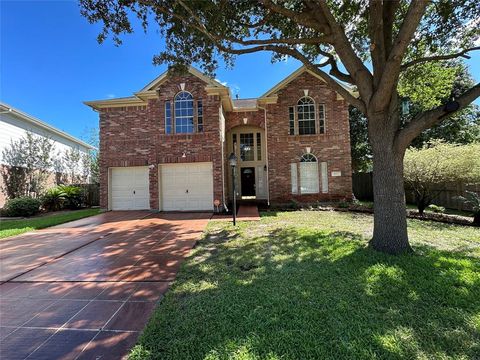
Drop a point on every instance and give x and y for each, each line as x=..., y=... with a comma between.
x=248, y=212
x=244, y=213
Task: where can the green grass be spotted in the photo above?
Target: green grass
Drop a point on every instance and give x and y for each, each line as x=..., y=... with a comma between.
x=303, y=285
x=16, y=227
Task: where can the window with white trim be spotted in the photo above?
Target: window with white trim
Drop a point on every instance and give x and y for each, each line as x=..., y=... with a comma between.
x=293, y=177
x=168, y=117
x=184, y=113
x=306, y=116
x=324, y=171
x=199, y=116
x=309, y=183
x=321, y=118
x=291, y=120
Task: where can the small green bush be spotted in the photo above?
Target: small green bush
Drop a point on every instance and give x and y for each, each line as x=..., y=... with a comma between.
x=74, y=196
x=54, y=199
x=436, y=208
x=22, y=206
x=343, y=204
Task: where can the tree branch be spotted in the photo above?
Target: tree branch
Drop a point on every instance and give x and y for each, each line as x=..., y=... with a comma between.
x=377, y=46
x=390, y=74
x=354, y=65
x=462, y=53
x=389, y=10
x=304, y=18
x=280, y=49
x=432, y=117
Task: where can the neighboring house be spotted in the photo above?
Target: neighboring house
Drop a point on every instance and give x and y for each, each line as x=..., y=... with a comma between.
x=166, y=148
x=14, y=124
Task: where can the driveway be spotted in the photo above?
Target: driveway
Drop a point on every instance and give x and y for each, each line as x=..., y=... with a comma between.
x=85, y=289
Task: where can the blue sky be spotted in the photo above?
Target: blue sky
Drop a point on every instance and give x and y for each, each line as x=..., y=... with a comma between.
x=50, y=62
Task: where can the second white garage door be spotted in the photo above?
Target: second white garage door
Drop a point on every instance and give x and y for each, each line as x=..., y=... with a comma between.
x=187, y=187
x=129, y=188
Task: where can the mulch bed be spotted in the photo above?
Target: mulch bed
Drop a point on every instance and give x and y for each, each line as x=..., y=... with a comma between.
x=412, y=214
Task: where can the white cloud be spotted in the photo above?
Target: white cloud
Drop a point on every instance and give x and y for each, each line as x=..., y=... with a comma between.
x=110, y=96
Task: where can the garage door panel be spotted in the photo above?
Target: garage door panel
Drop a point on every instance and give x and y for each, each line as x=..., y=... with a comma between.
x=130, y=188
x=187, y=186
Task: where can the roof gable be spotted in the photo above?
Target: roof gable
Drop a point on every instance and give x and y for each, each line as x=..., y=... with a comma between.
x=292, y=77
x=153, y=85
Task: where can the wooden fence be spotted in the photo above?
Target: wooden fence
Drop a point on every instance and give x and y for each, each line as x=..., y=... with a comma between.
x=91, y=193
x=446, y=195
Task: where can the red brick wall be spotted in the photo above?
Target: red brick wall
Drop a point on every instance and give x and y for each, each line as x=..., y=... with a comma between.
x=332, y=147
x=135, y=136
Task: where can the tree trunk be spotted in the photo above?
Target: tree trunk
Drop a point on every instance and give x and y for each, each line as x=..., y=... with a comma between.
x=390, y=215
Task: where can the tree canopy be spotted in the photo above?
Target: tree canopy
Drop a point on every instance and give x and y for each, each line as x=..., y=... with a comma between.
x=366, y=44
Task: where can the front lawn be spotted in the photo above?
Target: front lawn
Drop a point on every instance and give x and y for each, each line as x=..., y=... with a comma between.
x=15, y=227
x=303, y=285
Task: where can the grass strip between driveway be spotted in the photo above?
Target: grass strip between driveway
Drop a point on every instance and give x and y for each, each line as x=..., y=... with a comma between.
x=15, y=227
x=304, y=285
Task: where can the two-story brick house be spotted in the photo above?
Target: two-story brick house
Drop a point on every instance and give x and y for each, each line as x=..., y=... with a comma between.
x=166, y=148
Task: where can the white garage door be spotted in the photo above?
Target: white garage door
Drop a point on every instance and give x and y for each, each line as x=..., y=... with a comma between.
x=187, y=187
x=129, y=188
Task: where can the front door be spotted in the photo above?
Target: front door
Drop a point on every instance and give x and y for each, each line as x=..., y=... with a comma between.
x=248, y=181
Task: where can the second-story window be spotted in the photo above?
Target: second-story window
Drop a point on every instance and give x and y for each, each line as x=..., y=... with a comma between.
x=184, y=113
x=321, y=118
x=199, y=116
x=306, y=116
x=168, y=117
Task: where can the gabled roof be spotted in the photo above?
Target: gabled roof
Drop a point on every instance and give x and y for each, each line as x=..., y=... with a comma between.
x=7, y=109
x=150, y=91
x=153, y=85
x=293, y=76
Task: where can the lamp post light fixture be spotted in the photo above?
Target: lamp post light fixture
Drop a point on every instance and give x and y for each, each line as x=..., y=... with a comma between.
x=232, y=159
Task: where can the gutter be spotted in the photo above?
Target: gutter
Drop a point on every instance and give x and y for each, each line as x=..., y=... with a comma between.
x=222, y=142
x=266, y=153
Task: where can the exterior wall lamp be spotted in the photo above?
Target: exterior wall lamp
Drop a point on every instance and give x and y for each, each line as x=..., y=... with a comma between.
x=232, y=160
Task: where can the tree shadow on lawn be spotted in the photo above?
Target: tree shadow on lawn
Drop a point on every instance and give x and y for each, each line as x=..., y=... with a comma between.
x=302, y=294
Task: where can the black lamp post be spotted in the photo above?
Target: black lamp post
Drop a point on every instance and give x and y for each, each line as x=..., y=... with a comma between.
x=232, y=159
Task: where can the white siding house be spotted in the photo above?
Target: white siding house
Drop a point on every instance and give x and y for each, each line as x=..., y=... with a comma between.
x=14, y=124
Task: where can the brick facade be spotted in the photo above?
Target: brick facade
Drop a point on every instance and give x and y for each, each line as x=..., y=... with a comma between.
x=332, y=147
x=135, y=136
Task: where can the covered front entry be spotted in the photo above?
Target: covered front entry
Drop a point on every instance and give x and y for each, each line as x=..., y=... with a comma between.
x=248, y=144
x=186, y=186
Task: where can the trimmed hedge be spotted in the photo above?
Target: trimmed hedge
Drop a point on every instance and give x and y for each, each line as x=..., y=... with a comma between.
x=22, y=206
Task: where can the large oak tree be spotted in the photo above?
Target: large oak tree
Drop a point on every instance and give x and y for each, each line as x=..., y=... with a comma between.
x=366, y=44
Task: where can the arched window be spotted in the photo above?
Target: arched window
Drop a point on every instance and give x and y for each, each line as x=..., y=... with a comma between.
x=306, y=116
x=184, y=113
x=309, y=183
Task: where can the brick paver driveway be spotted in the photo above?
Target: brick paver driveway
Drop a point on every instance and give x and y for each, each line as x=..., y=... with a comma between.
x=85, y=289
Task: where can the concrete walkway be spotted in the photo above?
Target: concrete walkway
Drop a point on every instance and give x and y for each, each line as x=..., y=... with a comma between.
x=85, y=289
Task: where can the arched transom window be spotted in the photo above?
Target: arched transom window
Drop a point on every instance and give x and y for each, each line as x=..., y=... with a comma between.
x=306, y=115
x=184, y=113
x=309, y=182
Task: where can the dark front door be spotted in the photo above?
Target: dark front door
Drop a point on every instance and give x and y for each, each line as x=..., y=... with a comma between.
x=248, y=181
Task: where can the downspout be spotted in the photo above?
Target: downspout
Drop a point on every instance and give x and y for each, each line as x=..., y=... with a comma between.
x=222, y=144
x=266, y=154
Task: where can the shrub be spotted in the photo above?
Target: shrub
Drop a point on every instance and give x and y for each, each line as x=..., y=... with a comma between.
x=436, y=208
x=22, y=206
x=53, y=199
x=73, y=196
x=473, y=199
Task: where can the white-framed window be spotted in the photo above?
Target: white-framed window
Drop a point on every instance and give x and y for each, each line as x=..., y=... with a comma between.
x=293, y=177
x=199, y=116
x=184, y=113
x=324, y=172
x=321, y=118
x=168, y=117
x=306, y=116
x=309, y=182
